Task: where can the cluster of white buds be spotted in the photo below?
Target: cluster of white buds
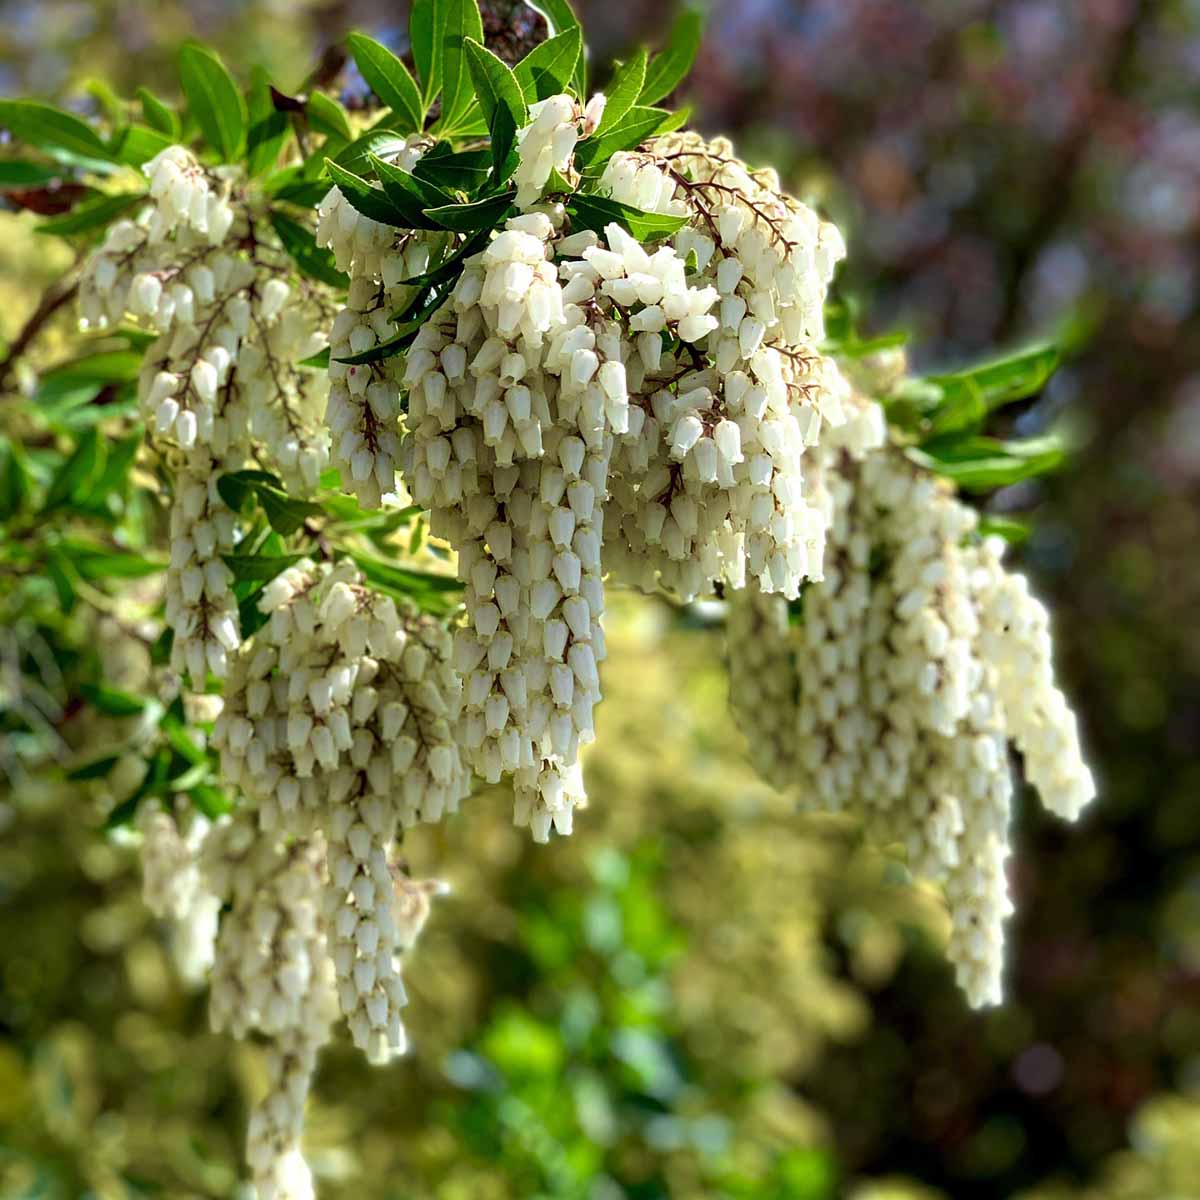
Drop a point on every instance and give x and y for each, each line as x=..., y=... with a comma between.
x=363, y=410
x=547, y=144
x=894, y=690
x=272, y=975
x=221, y=385
x=580, y=406
x=173, y=887
x=340, y=719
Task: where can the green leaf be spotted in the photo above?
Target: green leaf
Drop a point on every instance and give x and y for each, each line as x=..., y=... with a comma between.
x=327, y=116
x=285, y=514
x=431, y=592
x=389, y=79
x=236, y=488
x=623, y=90
x=469, y=218
x=93, y=213
x=982, y=464
x=96, y=769
x=312, y=260
x=969, y=395
x=138, y=144
x=458, y=21
x=668, y=69
x=426, y=31
x=267, y=127
x=214, y=100
x=260, y=569
x=157, y=115
x=560, y=18
x=449, y=268
x=112, y=702
x=52, y=130
x=371, y=201
x=121, y=457
x=635, y=127
x=464, y=171
x=318, y=361
x=16, y=174
x=75, y=477
x=16, y=483
x=1010, y=529
x=594, y=212
x=92, y=561
x=547, y=69
x=500, y=97
x=211, y=801
x=409, y=194
x=356, y=156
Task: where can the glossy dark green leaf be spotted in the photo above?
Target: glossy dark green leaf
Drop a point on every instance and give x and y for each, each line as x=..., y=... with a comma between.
x=433, y=593
x=389, y=79
x=259, y=568
x=327, y=116
x=266, y=128
x=93, y=213
x=409, y=194
x=470, y=218
x=214, y=100
x=462, y=22
x=464, y=171
x=112, y=702
x=623, y=90
x=636, y=126
x=982, y=464
x=561, y=18
x=317, y=362
x=500, y=98
x=236, y=488
x=426, y=35
x=594, y=212
x=97, y=768
x=138, y=144
x=51, y=129
x=669, y=68
x=548, y=69
x=398, y=342
x=158, y=115
x=17, y=174
x=969, y=395
x=371, y=201
x=75, y=477
x=312, y=260
x=356, y=156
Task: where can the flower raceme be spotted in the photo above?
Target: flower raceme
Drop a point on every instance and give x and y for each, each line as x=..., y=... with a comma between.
x=630, y=393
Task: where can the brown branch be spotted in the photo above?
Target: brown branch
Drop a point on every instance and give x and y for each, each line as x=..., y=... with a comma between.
x=54, y=297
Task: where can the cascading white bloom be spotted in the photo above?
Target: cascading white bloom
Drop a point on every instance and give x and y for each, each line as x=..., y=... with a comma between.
x=221, y=385
x=894, y=692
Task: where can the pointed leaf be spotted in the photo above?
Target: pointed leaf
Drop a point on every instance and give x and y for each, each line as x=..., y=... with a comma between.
x=549, y=68
x=461, y=20
x=594, y=212
x=500, y=98
x=356, y=156
x=636, y=126
x=214, y=100
x=409, y=195
x=370, y=201
x=426, y=35
x=157, y=115
x=470, y=218
x=623, y=90
x=561, y=19
x=91, y=214
x=267, y=126
x=389, y=79
x=50, y=129
x=668, y=69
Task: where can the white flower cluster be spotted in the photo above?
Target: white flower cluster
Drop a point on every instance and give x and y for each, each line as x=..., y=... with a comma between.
x=363, y=410
x=220, y=386
x=580, y=406
x=339, y=720
x=272, y=975
x=894, y=691
x=547, y=144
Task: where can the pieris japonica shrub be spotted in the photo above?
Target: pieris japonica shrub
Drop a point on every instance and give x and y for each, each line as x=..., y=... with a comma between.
x=559, y=344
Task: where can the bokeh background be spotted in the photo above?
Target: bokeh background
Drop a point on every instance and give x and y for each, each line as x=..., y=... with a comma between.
x=702, y=994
